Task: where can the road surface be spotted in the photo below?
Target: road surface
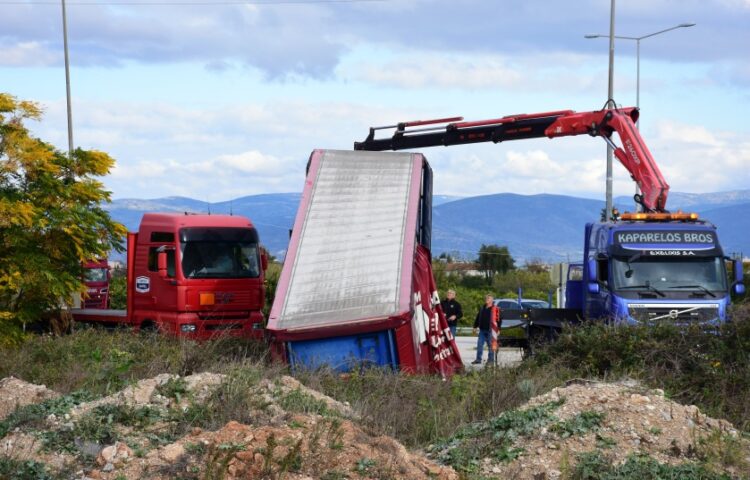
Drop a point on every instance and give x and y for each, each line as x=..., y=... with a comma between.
x=467, y=346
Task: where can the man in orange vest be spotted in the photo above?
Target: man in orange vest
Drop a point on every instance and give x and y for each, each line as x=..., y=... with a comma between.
x=488, y=315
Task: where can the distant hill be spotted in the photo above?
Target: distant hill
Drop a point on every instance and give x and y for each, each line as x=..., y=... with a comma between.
x=544, y=226
x=549, y=227
x=694, y=202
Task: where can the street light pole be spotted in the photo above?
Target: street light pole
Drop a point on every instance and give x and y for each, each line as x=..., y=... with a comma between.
x=67, y=81
x=637, y=86
x=610, y=96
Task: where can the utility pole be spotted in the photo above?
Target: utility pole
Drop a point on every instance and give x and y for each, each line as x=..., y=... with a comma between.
x=638, y=206
x=610, y=102
x=67, y=81
x=76, y=298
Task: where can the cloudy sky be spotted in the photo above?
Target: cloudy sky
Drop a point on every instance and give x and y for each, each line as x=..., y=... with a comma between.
x=220, y=99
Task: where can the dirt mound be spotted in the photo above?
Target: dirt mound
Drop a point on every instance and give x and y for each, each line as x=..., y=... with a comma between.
x=152, y=429
x=16, y=393
x=614, y=423
x=308, y=447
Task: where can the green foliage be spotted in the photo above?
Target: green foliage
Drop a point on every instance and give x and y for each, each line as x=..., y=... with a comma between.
x=175, y=388
x=719, y=450
x=535, y=284
x=494, y=438
x=707, y=367
x=100, y=426
x=102, y=362
x=271, y=280
x=364, y=465
x=299, y=401
x=13, y=469
x=118, y=289
x=218, y=460
x=33, y=415
x=51, y=219
x=597, y=466
x=581, y=424
x=494, y=259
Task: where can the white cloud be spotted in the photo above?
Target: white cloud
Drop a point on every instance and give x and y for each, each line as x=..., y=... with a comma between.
x=669, y=131
x=534, y=163
x=26, y=53
x=220, y=152
x=433, y=71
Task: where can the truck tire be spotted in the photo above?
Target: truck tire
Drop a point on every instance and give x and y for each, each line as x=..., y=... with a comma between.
x=537, y=337
x=148, y=327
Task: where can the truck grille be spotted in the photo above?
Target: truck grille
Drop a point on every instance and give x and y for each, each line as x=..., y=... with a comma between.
x=678, y=312
x=219, y=315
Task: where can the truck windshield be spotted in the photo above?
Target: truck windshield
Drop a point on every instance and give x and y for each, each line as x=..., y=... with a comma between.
x=95, y=275
x=697, y=273
x=220, y=253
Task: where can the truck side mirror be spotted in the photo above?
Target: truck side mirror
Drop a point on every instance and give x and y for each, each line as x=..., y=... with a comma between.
x=738, y=273
x=591, y=276
x=738, y=288
x=592, y=270
x=161, y=263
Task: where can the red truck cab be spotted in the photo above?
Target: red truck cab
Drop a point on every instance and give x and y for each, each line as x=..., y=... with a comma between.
x=96, y=277
x=192, y=275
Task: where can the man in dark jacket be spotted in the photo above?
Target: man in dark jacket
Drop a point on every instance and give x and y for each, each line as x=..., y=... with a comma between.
x=483, y=322
x=452, y=310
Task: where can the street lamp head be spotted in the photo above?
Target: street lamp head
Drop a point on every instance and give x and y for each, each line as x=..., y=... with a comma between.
x=591, y=35
x=685, y=25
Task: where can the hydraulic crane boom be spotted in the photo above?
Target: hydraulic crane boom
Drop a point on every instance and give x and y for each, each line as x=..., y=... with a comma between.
x=633, y=154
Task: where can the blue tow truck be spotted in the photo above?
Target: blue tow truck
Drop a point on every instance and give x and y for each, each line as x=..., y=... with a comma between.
x=648, y=266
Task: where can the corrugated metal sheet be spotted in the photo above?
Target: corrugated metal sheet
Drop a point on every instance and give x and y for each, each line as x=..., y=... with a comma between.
x=348, y=263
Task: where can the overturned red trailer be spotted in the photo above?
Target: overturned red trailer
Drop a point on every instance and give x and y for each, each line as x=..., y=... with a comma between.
x=357, y=286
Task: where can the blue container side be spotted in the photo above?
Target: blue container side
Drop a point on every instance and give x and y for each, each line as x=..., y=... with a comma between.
x=344, y=354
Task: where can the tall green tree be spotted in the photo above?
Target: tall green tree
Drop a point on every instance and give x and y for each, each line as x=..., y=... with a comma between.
x=51, y=219
x=494, y=259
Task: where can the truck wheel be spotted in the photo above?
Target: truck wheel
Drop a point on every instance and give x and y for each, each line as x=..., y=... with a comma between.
x=537, y=337
x=148, y=327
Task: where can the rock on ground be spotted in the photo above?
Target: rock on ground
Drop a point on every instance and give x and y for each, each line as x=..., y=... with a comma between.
x=16, y=393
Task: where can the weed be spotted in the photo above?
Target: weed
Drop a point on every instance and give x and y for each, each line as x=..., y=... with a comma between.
x=301, y=402
x=721, y=450
x=335, y=434
x=99, y=426
x=334, y=475
x=494, y=438
x=693, y=365
x=34, y=415
x=654, y=431
x=596, y=466
x=23, y=470
x=218, y=459
x=605, y=442
x=195, y=448
x=267, y=454
x=175, y=388
x=580, y=424
x=364, y=465
x=102, y=362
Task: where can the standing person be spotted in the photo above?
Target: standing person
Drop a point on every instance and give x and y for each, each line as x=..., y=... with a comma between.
x=452, y=310
x=483, y=322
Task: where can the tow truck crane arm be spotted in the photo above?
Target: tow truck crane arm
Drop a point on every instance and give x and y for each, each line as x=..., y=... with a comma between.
x=633, y=154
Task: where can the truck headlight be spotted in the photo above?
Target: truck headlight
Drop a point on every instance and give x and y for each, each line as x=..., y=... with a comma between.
x=187, y=328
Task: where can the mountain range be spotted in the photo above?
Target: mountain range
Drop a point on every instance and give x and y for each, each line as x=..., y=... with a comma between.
x=547, y=227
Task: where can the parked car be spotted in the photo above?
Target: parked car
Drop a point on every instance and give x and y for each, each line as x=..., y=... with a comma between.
x=534, y=303
x=526, y=303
